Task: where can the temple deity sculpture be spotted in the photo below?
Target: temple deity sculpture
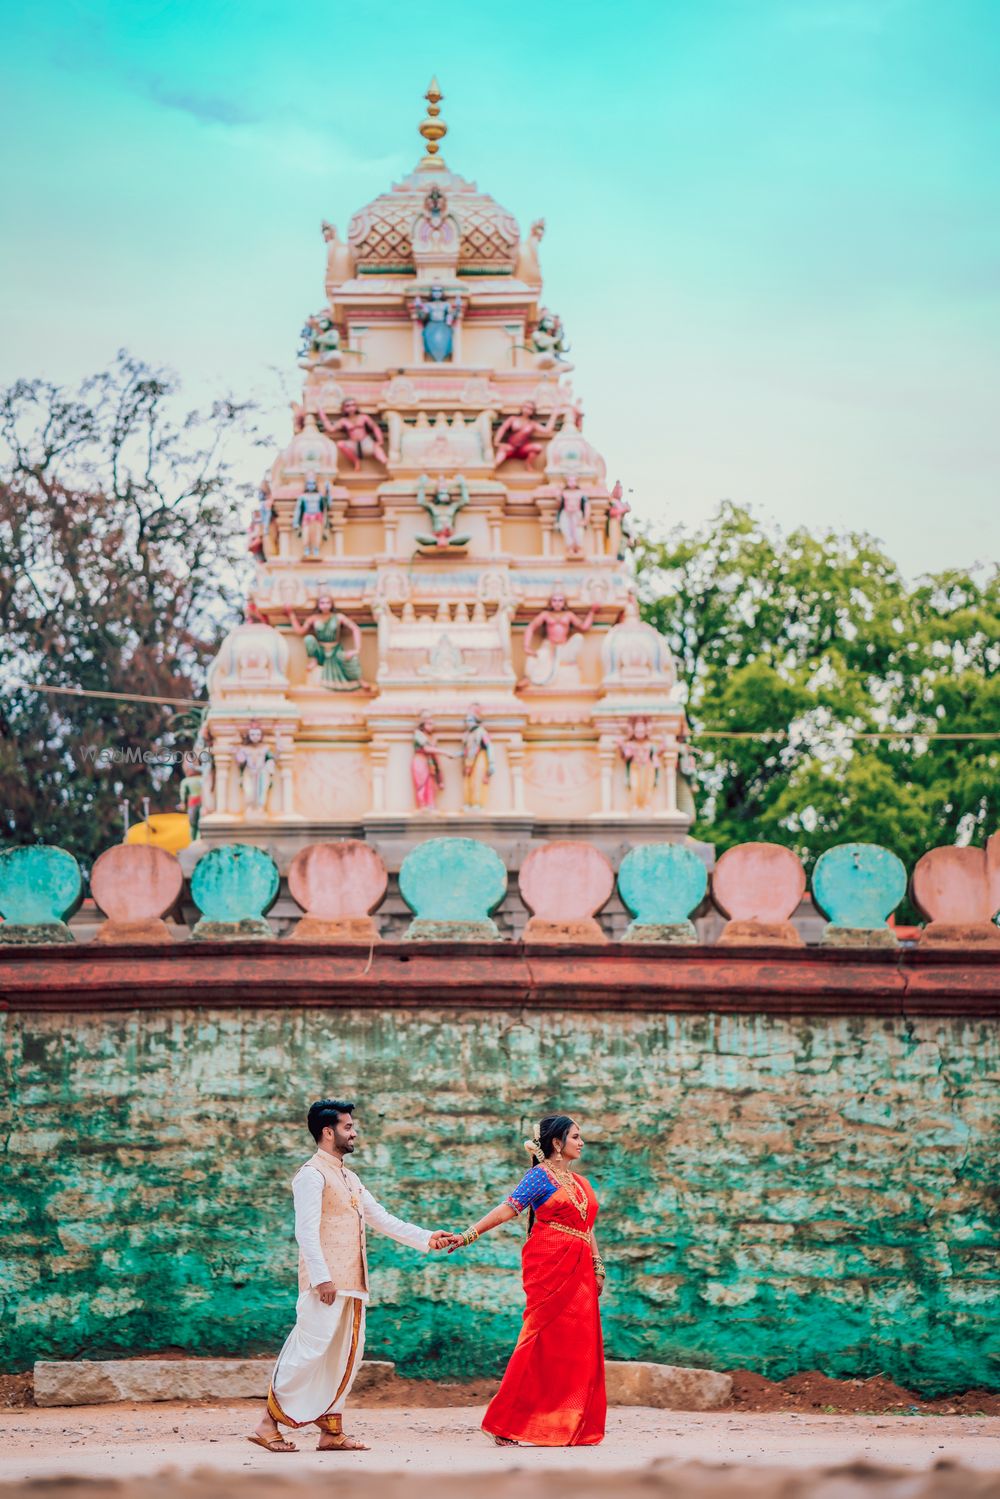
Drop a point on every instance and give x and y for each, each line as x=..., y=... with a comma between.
x=442, y=509
x=572, y=516
x=426, y=768
x=189, y=793
x=256, y=767
x=320, y=341
x=518, y=436
x=339, y=260
x=548, y=338
x=642, y=755
x=361, y=435
x=310, y=518
x=478, y=765
x=438, y=314
x=340, y=669
x=619, y=539
x=527, y=268
x=559, y=647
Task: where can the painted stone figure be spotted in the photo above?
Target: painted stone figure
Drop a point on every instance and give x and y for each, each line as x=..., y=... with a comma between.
x=426, y=768
x=619, y=539
x=256, y=767
x=572, y=516
x=558, y=647
x=320, y=341
x=442, y=509
x=478, y=765
x=360, y=435
x=340, y=669
x=190, y=794
x=438, y=314
x=310, y=518
x=548, y=337
x=518, y=436
x=642, y=755
x=527, y=268
x=339, y=261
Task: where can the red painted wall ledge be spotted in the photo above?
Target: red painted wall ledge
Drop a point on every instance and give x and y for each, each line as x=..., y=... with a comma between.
x=778, y=981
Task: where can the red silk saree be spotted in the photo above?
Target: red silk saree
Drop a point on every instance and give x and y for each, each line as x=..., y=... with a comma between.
x=552, y=1394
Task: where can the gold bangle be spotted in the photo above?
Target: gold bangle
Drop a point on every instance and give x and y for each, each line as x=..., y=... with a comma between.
x=470, y=1236
x=599, y=1268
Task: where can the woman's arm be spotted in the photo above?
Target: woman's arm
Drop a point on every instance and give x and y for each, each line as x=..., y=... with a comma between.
x=502, y=1214
x=599, y=1270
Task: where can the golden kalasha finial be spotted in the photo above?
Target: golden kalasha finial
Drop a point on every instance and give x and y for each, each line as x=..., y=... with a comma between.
x=432, y=129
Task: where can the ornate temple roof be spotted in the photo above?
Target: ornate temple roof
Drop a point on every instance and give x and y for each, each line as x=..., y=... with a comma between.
x=380, y=234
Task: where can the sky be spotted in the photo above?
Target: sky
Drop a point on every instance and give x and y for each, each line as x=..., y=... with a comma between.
x=773, y=226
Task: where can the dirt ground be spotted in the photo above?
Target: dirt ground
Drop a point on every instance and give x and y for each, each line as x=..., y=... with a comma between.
x=799, y=1393
x=676, y=1453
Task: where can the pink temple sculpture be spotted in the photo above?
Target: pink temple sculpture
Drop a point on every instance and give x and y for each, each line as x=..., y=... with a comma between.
x=436, y=482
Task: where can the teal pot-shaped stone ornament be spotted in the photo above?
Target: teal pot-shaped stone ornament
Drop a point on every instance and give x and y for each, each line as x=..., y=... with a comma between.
x=857, y=886
x=233, y=888
x=452, y=885
x=662, y=884
x=39, y=887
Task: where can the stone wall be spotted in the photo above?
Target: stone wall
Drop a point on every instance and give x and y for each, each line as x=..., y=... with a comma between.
x=778, y=1191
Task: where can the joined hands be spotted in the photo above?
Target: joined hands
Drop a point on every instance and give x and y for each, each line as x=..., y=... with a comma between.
x=441, y=1239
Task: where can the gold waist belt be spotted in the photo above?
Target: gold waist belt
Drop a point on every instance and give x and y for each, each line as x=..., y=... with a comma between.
x=563, y=1228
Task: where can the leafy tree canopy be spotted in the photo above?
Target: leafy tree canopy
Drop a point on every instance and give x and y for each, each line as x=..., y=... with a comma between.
x=118, y=572
x=818, y=637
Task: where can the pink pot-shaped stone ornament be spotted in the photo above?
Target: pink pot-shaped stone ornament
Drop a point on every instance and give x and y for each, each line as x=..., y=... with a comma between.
x=338, y=885
x=959, y=890
x=135, y=885
x=758, y=886
x=564, y=885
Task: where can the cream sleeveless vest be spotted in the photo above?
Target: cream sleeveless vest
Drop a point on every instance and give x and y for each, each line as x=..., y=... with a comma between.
x=341, y=1228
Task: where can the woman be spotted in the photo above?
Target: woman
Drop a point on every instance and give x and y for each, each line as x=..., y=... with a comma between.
x=552, y=1394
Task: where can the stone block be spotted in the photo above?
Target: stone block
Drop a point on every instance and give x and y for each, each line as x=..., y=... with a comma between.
x=564, y=884
x=758, y=886
x=452, y=886
x=338, y=885
x=103, y=1381
x=135, y=885
x=666, y=1386
x=233, y=887
x=857, y=886
x=39, y=887
x=662, y=884
x=958, y=889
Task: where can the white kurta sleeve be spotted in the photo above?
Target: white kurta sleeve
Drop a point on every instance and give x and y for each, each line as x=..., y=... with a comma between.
x=378, y=1217
x=307, y=1192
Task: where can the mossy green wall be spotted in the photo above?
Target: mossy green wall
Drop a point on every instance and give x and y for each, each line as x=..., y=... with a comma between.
x=777, y=1193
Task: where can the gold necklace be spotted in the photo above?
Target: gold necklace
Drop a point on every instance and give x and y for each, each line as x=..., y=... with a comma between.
x=577, y=1195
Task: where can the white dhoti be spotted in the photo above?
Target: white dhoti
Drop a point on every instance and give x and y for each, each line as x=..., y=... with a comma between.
x=320, y=1360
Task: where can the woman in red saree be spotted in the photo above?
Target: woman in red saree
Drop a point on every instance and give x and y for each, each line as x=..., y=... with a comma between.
x=552, y=1394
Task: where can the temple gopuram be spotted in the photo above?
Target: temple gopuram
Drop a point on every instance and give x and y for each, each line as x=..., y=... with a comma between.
x=442, y=633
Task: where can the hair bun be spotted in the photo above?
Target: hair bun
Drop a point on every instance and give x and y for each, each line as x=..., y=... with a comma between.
x=534, y=1149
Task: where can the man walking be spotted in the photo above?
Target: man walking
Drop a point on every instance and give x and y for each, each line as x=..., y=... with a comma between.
x=316, y=1368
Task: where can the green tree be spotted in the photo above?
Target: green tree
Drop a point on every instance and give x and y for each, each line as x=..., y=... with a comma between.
x=814, y=638
x=119, y=553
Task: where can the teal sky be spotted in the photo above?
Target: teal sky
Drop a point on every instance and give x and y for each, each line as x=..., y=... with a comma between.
x=773, y=225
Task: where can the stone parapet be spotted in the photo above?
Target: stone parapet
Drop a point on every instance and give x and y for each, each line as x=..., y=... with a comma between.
x=894, y=983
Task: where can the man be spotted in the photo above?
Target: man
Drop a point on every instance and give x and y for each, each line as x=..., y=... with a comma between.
x=315, y=1370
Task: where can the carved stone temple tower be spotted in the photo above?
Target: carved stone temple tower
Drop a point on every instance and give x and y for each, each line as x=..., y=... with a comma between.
x=438, y=501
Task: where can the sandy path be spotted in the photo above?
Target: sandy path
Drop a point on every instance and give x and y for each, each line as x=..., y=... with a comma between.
x=140, y=1440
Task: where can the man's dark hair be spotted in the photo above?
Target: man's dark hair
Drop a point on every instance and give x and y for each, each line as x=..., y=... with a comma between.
x=326, y=1111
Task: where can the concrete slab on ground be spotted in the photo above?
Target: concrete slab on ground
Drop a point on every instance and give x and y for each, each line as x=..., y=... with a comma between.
x=101, y=1381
